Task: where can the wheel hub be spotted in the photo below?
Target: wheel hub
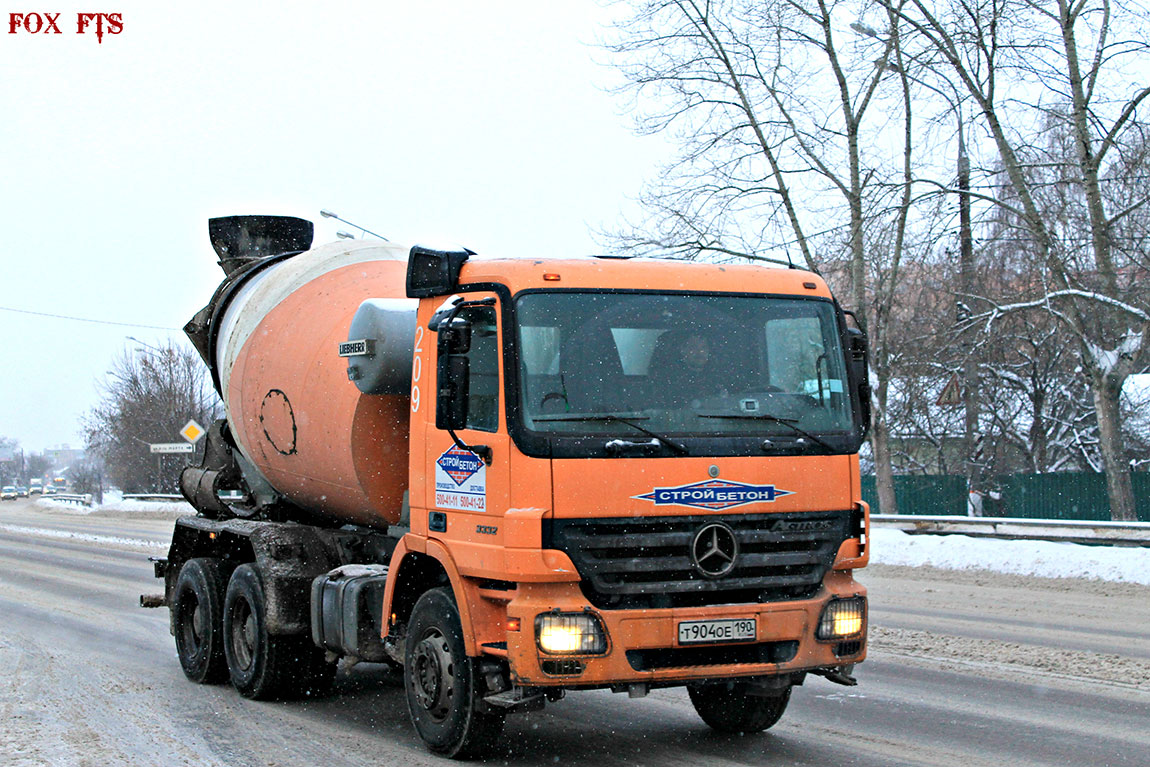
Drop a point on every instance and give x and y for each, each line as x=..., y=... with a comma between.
x=198, y=622
x=433, y=675
x=244, y=634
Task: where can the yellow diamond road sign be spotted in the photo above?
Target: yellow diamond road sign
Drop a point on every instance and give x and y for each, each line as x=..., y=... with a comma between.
x=192, y=432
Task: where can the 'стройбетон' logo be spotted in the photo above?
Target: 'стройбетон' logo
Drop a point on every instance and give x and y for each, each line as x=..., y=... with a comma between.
x=459, y=464
x=713, y=494
x=460, y=481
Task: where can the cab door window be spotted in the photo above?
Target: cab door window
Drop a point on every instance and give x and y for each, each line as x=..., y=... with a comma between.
x=483, y=389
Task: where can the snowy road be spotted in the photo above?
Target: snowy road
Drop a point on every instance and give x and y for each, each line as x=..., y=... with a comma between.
x=965, y=668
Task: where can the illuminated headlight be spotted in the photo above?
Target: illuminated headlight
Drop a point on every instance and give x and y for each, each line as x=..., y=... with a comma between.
x=570, y=634
x=842, y=618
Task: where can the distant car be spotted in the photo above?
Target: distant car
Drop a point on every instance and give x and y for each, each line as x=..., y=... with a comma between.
x=35, y=489
x=49, y=490
x=8, y=493
x=21, y=491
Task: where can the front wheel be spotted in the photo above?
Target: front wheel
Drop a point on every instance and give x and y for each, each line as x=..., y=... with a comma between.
x=728, y=707
x=444, y=692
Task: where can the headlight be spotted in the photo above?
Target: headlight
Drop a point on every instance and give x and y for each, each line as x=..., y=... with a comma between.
x=570, y=634
x=842, y=618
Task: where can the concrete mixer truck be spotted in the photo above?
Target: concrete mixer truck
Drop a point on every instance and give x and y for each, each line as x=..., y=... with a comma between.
x=515, y=478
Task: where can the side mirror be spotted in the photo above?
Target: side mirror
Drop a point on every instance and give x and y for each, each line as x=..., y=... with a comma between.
x=453, y=373
x=453, y=376
x=858, y=349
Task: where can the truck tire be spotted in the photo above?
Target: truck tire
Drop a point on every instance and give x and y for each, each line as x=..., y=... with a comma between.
x=444, y=690
x=729, y=708
x=263, y=666
x=197, y=621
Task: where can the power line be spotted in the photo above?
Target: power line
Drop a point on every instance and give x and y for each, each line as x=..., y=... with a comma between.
x=85, y=319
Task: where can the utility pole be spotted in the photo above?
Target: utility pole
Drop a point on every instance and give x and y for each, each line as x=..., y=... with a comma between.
x=966, y=289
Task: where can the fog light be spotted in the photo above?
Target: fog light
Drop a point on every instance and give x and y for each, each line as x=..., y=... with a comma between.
x=842, y=618
x=570, y=634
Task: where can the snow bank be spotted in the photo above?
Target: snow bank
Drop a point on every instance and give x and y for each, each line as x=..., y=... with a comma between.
x=1044, y=559
x=132, y=505
x=50, y=503
x=115, y=502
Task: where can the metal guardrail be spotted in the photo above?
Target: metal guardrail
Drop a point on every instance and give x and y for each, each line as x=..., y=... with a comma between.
x=1068, y=531
x=80, y=500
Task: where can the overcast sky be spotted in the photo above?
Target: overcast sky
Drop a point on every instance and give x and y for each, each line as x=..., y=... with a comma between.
x=487, y=124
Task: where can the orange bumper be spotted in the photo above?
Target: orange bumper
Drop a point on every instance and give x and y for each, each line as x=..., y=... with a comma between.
x=643, y=646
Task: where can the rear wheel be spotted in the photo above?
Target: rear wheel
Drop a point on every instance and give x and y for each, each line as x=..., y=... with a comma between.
x=728, y=707
x=265, y=666
x=197, y=610
x=444, y=690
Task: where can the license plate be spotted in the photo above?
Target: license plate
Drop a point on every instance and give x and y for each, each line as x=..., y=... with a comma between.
x=698, y=632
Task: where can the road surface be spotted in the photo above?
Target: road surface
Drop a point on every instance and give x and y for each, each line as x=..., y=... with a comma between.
x=964, y=669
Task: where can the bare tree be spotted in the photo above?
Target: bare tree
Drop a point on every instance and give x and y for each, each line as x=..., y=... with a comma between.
x=785, y=133
x=147, y=398
x=36, y=465
x=745, y=86
x=88, y=478
x=1024, y=64
x=9, y=459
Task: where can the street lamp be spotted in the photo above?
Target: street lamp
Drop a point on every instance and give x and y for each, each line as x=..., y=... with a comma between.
x=328, y=214
x=863, y=29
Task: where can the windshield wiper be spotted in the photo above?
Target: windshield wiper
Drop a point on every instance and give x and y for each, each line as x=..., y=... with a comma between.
x=788, y=422
x=609, y=418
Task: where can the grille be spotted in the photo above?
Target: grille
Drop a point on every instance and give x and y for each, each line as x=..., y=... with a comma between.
x=686, y=657
x=645, y=562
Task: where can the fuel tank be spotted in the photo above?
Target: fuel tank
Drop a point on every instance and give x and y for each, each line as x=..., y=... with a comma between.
x=307, y=434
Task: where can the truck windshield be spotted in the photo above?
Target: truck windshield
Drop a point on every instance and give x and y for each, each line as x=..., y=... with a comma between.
x=683, y=365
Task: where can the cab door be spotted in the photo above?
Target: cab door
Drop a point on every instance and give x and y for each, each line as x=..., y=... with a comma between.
x=470, y=494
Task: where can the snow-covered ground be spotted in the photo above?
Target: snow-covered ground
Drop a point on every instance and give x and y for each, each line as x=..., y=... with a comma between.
x=1043, y=559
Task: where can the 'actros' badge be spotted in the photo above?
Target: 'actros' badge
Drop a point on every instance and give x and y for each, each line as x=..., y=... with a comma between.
x=714, y=550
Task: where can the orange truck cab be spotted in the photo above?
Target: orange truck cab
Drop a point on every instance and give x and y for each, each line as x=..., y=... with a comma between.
x=521, y=477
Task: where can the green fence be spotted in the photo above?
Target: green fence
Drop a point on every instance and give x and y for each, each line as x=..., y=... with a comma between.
x=1067, y=495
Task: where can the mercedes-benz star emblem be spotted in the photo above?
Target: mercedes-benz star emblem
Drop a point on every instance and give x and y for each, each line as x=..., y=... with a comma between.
x=714, y=550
